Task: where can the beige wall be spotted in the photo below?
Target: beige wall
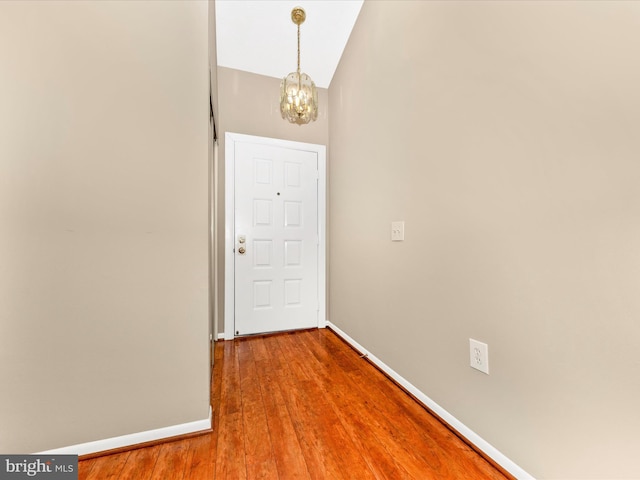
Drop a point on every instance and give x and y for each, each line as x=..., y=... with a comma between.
x=103, y=220
x=505, y=134
x=250, y=104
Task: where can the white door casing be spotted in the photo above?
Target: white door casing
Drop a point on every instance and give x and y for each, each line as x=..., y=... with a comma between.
x=275, y=193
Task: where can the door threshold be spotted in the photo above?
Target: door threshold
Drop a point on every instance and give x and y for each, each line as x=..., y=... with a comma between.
x=275, y=332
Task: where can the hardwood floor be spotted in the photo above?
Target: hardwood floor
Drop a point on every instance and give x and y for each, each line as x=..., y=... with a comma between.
x=303, y=405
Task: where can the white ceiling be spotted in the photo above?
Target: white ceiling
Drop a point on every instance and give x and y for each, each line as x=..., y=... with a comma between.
x=258, y=36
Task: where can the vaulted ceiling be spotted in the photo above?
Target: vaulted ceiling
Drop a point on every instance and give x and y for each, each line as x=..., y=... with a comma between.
x=258, y=36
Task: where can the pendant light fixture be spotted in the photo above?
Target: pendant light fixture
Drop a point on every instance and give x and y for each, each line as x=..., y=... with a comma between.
x=298, y=94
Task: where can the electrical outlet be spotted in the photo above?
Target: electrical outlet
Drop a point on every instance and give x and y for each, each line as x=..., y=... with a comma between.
x=397, y=231
x=479, y=355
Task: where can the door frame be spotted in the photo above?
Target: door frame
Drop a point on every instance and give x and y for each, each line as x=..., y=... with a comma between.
x=229, y=235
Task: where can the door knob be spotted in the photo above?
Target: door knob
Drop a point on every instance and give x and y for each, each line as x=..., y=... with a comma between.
x=241, y=250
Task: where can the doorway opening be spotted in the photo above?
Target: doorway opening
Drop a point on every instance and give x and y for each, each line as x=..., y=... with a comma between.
x=275, y=235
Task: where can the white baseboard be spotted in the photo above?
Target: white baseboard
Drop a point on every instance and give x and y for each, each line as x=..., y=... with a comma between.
x=456, y=424
x=132, y=439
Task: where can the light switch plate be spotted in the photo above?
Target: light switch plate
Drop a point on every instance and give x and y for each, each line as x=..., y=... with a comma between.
x=397, y=231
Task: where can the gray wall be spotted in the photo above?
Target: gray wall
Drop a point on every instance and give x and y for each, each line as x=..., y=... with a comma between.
x=250, y=104
x=103, y=220
x=505, y=134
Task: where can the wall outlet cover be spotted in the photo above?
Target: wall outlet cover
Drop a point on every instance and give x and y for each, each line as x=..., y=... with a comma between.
x=479, y=355
x=397, y=231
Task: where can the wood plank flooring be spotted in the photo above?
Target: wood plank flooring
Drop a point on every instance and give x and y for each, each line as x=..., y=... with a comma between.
x=303, y=405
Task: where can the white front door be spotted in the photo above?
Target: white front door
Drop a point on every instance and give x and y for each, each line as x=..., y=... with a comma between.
x=276, y=238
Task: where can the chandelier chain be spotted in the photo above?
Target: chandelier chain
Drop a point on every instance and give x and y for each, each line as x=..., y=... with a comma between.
x=298, y=48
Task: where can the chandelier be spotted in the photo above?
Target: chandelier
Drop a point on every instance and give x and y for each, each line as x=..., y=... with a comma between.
x=298, y=94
